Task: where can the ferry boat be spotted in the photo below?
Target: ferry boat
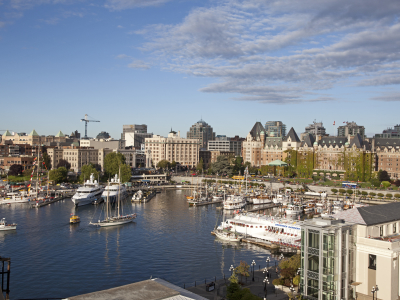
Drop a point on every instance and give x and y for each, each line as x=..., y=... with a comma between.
x=293, y=209
x=88, y=193
x=5, y=226
x=234, y=202
x=74, y=219
x=271, y=229
x=114, y=189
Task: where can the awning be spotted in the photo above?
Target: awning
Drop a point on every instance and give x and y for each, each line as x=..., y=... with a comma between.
x=278, y=163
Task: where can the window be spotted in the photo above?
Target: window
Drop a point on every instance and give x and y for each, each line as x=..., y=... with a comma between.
x=380, y=230
x=372, y=262
x=394, y=227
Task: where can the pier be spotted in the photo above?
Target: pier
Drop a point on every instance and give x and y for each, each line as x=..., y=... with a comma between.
x=263, y=207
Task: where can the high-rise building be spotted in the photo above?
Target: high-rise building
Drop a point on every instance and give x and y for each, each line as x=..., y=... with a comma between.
x=135, y=135
x=275, y=129
x=351, y=128
x=201, y=131
x=316, y=128
x=390, y=133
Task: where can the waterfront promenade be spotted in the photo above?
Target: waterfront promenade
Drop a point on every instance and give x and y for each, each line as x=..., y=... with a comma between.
x=256, y=287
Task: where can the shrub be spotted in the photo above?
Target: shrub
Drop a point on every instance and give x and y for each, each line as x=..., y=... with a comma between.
x=364, y=193
x=397, y=183
x=389, y=196
x=334, y=191
x=342, y=191
x=386, y=184
x=372, y=194
x=397, y=196
x=350, y=192
x=380, y=195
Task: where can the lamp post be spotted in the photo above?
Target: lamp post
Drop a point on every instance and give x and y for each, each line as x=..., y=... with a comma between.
x=266, y=281
x=376, y=290
x=292, y=289
x=231, y=269
x=268, y=261
x=373, y=291
x=253, y=263
x=266, y=273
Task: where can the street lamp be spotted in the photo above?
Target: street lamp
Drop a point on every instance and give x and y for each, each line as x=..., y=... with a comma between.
x=231, y=269
x=252, y=265
x=266, y=281
x=268, y=261
x=373, y=291
x=266, y=273
x=292, y=289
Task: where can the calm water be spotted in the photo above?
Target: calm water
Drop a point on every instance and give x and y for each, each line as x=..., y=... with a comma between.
x=169, y=239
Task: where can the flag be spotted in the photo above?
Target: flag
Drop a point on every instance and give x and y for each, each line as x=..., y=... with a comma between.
x=333, y=122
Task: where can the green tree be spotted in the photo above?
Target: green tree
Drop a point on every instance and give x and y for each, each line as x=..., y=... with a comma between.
x=375, y=182
x=173, y=164
x=364, y=193
x=46, y=159
x=342, y=191
x=397, y=196
x=380, y=195
x=372, y=194
x=222, y=165
x=86, y=171
x=350, y=192
x=383, y=175
x=15, y=170
x=64, y=163
x=163, y=164
x=112, y=162
x=334, y=191
x=389, y=196
x=289, y=268
x=200, y=165
x=58, y=175
x=242, y=269
x=386, y=184
x=126, y=173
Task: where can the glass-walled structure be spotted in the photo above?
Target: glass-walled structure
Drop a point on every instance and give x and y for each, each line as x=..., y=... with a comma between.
x=325, y=255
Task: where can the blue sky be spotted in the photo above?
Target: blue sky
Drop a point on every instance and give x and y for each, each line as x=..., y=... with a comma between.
x=168, y=63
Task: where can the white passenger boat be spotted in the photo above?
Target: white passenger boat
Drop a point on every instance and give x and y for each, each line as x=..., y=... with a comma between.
x=12, y=198
x=234, y=202
x=275, y=230
x=283, y=199
x=5, y=226
x=293, y=209
x=262, y=200
x=88, y=193
x=114, y=189
x=228, y=235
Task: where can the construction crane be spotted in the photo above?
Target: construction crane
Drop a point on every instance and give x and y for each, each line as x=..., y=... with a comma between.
x=86, y=121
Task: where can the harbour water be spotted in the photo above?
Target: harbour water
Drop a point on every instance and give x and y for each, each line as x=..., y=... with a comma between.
x=52, y=259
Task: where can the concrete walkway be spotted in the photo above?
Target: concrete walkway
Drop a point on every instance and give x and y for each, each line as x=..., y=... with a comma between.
x=256, y=287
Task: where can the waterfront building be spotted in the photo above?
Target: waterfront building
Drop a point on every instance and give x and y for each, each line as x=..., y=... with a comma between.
x=173, y=148
x=133, y=158
x=201, y=131
x=387, y=155
x=390, y=133
x=221, y=143
x=102, y=143
x=351, y=128
x=275, y=129
x=315, y=129
x=235, y=145
x=25, y=161
x=135, y=135
x=327, y=253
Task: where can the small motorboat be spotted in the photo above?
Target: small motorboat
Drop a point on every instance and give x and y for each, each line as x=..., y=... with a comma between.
x=5, y=226
x=74, y=219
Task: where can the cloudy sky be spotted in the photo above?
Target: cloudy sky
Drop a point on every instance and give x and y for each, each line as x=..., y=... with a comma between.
x=169, y=63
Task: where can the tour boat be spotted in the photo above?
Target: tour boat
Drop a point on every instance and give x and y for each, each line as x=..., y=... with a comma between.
x=293, y=209
x=234, y=202
x=88, y=193
x=15, y=197
x=74, y=219
x=227, y=235
x=137, y=196
x=5, y=226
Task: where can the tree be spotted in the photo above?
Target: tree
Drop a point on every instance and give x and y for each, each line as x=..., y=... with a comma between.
x=389, y=196
x=380, y=195
x=397, y=183
x=46, y=160
x=334, y=191
x=383, y=175
x=112, y=162
x=163, y=164
x=222, y=165
x=364, y=193
x=386, y=184
x=242, y=269
x=372, y=194
x=86, y=171
x=200, y=165
x=342, y=191
x=173, y=164
x=397, y=196
x=289, y=268
x=126, y=173
x=15, y=170
x=64, y=163
x=59, y=174
x=350, y=192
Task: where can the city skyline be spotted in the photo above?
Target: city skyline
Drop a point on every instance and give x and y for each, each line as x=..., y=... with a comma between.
x=171, y=63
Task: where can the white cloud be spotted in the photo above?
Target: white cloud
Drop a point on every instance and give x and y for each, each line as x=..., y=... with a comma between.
x=138, y=64
x=282, y=50
x=127, y=4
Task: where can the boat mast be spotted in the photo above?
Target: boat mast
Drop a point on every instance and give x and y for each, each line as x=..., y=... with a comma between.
x=119, y=185
x=108, y=194
x=37, y=173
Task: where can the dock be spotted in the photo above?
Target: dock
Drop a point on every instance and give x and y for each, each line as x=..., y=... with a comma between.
x=263, y=207
x=207, y=203
x=41, y=203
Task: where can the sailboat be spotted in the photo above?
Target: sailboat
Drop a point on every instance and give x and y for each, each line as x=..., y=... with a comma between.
x=118, y=219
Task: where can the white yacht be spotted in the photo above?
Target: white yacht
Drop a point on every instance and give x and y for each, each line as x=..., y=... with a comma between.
x=234, y=202
x=5, y=226
x=293, y=209
x=279, y=198
x=113, y=189
x=88, y=193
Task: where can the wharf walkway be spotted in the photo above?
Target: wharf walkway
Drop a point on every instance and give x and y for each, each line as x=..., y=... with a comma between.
x=256, y=287
x=41, y=203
